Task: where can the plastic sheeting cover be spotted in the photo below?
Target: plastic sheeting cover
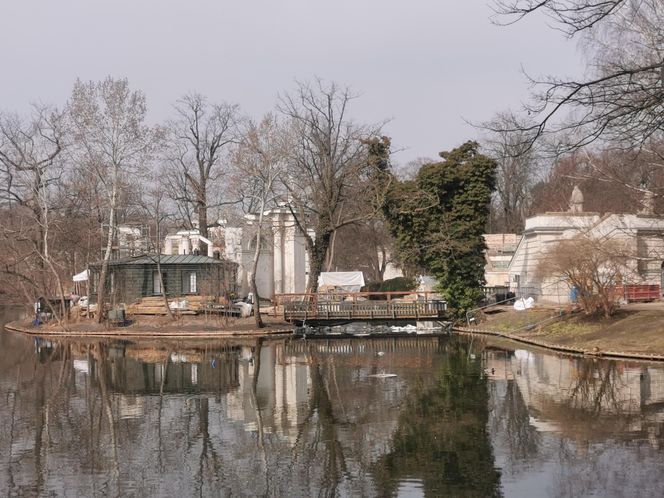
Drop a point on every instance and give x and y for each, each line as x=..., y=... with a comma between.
x=81, y=277
x=350, y=281
x=524, y=304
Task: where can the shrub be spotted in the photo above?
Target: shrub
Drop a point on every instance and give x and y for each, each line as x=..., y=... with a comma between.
x=398, y=284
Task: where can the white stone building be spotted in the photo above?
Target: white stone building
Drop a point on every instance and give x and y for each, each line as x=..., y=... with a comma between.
x=642, y=235
x=500, y=248
x=190, y=242
x=283, y=263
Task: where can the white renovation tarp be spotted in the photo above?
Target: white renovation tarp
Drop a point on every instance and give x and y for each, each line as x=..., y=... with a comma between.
x=349, y=281
x=81, y=277
x=426, y=283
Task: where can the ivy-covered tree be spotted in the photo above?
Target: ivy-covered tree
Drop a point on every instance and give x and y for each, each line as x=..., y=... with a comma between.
x=442, y=438
x=438, y=220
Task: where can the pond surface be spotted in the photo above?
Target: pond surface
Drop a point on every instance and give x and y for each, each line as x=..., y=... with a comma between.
x=418, y=416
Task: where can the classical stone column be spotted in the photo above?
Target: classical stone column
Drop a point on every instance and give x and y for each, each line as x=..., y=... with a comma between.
x=278, y=257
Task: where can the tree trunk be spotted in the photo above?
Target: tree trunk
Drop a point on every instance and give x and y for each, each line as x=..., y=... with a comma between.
x=254, y=268
x=317, y=253
x=101, y=286
x=159, y=273
x=202, y=225
x=163, y=289
x=382, y=264
x=87, y=267
x=330, y=253
x=101, y=290
x=62, y=316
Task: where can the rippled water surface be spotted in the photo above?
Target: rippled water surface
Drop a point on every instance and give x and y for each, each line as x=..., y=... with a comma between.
x=418, y=416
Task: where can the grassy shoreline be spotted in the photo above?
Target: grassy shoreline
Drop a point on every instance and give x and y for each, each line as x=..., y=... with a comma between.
x=634, y=330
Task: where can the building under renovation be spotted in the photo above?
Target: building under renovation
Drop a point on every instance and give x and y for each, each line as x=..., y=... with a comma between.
x=283, y=263
x=641, y=234
x=132, y=278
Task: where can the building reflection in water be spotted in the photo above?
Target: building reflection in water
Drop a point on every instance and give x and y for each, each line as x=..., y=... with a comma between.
x=561, y=391
x=575, y=426
x=299, y=418
x=281, y=388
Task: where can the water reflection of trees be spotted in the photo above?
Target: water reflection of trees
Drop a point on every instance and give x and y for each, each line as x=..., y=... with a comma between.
x=333, y=446
x=353, y=420
x=586, y=426
x=23, y=453
x=345, y=433
x=442, y=437
x=70, y=431
x=596, y=398
x=510, y=424
x=597, y=387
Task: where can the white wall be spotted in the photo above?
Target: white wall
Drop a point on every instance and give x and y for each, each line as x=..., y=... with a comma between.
x=540, y=233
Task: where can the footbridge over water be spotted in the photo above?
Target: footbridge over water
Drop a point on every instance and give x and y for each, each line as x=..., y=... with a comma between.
x=360, y=306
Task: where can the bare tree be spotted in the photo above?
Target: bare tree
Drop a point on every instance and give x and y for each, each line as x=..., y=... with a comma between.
x=593, y=266
x=328, y=165
x=30, y=166
x=260, y=161
x=109, y=130
x=518, y=169
x=611, y=181
x=621, y=99
x=198, y=142
x=157, y=212
x=367, y=246
x=409, y=170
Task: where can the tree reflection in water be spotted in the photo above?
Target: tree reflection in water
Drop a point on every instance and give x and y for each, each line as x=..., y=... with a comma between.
x=442, y=437
x=510, y=423
x=302, y=418
x=582, y=426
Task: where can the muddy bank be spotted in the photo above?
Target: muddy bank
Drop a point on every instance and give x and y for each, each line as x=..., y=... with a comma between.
x=190, y=326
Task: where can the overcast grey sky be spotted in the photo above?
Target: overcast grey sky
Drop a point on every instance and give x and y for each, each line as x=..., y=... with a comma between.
x=426, y=65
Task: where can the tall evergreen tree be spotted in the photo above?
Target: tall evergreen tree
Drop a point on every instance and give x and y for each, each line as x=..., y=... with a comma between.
x=438, y=220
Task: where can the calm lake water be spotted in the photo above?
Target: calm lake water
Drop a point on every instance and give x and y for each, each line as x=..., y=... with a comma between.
x=342, y=417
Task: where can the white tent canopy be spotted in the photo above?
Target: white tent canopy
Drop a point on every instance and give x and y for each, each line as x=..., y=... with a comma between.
x=426, y=283
x=348, y=281
x=81, y=277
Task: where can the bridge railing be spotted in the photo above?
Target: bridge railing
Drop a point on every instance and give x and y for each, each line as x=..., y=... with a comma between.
x=359, y=305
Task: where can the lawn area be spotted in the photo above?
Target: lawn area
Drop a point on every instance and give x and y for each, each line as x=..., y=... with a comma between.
x=505, y=319
x=629, y=330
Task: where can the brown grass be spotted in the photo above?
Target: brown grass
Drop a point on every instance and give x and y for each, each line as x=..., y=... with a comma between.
x=636, y=331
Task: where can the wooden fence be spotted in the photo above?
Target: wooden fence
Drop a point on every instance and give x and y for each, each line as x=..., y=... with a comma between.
x=360, y=306
x=633, y=293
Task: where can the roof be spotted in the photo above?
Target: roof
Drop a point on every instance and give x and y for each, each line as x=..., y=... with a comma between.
x=164, y=259
x=627, y=224
x=559, y=222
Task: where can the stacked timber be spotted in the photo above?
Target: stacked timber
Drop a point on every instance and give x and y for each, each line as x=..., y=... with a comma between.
x=153, y=305
x=186, y=305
